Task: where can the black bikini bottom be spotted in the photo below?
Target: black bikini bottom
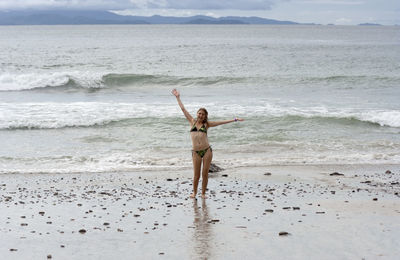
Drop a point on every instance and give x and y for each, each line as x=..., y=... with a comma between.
x=201, y=153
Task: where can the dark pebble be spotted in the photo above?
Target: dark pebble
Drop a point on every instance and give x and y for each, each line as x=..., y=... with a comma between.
x=375, y=199
x=82, y=231
x=283, y=233
x=336, y=174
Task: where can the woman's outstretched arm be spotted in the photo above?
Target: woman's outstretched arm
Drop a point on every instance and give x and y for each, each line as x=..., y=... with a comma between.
x=185, y=112
x=217, y=123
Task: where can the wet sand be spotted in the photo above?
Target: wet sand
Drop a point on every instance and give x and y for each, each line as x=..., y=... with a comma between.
x=277, y=212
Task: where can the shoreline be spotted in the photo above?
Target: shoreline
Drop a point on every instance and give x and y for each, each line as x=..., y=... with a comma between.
x=149, y=214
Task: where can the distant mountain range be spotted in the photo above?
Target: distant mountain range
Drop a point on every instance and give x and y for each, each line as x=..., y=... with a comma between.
x=59, y=17
x=54, y=17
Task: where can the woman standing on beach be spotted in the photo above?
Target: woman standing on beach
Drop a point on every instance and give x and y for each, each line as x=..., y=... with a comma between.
x=202, y=151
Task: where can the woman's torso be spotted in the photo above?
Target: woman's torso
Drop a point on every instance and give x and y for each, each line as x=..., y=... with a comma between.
x=198, y=133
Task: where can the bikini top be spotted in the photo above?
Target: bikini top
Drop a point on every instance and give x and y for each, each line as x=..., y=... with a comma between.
x=202, y=128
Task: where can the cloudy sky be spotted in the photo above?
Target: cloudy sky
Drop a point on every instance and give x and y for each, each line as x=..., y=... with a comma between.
x=346, y=12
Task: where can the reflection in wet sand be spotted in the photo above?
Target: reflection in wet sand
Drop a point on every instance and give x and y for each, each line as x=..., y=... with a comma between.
x=202, y=236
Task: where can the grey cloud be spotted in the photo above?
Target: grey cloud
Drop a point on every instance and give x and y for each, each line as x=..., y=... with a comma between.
x=76, y=4
x=140, y=4
x=217, y=5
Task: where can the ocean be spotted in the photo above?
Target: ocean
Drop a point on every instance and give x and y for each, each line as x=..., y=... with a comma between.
x=98, y=98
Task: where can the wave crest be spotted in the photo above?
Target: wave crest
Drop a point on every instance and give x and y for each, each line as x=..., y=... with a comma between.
x=78, y=81
x=94, y=114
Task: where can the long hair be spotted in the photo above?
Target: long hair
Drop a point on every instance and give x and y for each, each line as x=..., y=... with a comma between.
x=205, y=121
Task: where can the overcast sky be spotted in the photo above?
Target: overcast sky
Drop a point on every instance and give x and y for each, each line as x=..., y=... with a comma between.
x=344, y=12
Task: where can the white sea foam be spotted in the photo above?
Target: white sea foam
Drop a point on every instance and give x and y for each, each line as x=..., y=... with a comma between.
x=121, y=162
x=383, y=118
x=36, y=80
x=12, y=82
x=83, y=114
x=113, y=162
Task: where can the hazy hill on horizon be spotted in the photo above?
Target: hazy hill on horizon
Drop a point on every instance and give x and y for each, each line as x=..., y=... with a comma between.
x=60, y=17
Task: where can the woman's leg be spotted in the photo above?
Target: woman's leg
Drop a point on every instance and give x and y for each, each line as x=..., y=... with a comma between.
x=196, y=172
x=206, y=167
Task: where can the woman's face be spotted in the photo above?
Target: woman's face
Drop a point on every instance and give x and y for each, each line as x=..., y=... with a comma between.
x=201, y=115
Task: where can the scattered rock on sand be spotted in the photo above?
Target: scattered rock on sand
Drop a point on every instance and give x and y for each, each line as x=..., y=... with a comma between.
x=267, y=174
x=388, y=172
x=284, y=233
x=105, y=193
x=375, y=199
x=82, y=231
x=336, y=174
x=215, y=168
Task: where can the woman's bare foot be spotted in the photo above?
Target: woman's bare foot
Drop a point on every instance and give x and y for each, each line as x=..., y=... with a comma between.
x=192, y=195
x=203, y=196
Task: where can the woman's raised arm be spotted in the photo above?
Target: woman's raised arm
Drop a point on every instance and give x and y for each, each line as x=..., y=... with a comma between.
x=185, y=112
x=217, y=123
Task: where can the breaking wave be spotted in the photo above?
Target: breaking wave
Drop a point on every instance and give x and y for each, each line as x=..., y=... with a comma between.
x=75, y=81
x=94, y=114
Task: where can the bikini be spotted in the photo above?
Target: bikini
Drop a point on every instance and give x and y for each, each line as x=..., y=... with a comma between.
x=203, y=129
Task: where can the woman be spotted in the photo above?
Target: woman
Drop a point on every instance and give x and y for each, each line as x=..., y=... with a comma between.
x=202, y=151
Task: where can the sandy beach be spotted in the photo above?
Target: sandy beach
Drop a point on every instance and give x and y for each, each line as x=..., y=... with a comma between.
x=276, y=212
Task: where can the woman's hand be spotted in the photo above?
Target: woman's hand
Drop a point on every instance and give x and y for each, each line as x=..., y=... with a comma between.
x=175, y=93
